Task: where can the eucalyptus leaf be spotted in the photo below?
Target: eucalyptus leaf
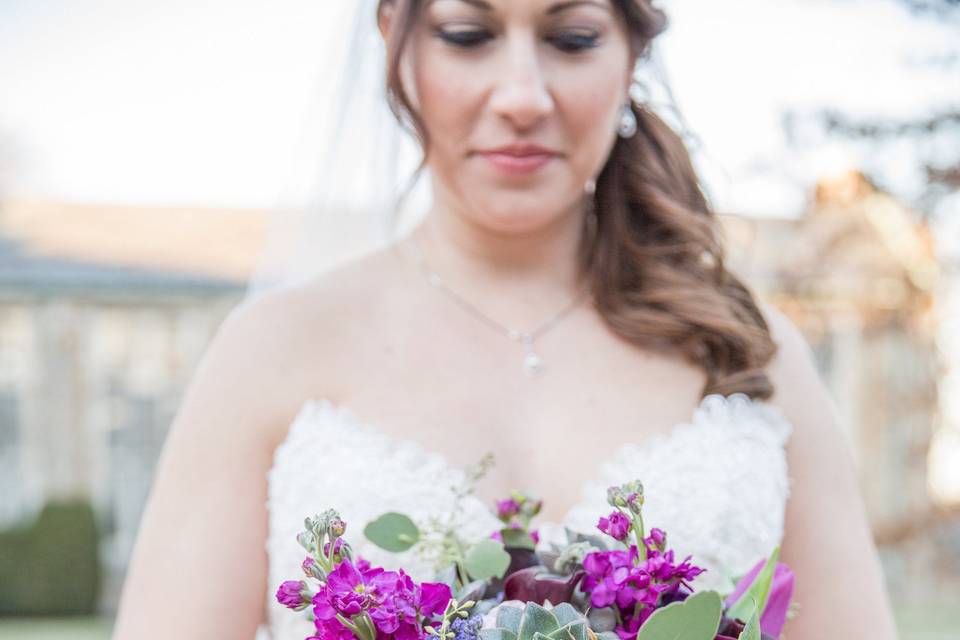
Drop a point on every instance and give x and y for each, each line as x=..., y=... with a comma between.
x=508, y=617
x=573, y=631
x=536, y=620
x=756, y=595
x=565, y=613
x=392, y=531
x=602, y=619
x=487, y=559
x=696, y=618
x=608, y=635
x=497, y=634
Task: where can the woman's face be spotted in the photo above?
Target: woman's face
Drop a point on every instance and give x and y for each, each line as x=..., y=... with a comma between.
x=521, y=101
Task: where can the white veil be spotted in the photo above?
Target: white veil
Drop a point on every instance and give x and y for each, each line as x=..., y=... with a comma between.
x=350, y=189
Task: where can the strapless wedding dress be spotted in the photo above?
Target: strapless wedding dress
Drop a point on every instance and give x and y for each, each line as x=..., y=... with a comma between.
x=717, y=484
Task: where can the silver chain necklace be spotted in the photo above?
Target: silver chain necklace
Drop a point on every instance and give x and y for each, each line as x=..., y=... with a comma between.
x=532, y=361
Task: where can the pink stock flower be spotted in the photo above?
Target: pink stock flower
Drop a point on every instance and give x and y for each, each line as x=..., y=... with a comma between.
x=619, y=578
x=291, y=594
x=347, y=592
x=616, y=525
x=508, y=508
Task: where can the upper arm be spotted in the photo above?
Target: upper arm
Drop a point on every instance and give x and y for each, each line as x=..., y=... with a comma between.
x=827, y=540
x=199, y=566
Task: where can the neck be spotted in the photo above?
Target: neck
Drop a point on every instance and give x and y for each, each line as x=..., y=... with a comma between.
x=517, y=278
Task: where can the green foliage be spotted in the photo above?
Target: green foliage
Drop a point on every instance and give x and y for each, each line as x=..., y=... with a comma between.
x=756, y=595
x=487, y=559
x=696, y=618
x=392, y=531
x=752, y=630
x=52, y=566
x=533, y=622
x=517, y=538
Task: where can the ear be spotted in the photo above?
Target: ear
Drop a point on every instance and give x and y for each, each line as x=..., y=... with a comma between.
x=628, y=80
x=385, y=18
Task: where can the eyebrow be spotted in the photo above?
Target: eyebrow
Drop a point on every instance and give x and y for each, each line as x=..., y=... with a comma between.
x=569, y=4
x=483, y=5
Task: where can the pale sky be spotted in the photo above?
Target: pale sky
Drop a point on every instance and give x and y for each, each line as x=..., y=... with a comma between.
x=200, y=102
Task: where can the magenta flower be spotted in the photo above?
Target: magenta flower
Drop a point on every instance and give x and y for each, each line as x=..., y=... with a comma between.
x=291, y=594
x=635, y=587
x=508, y=508
x=774, y=614
x=616, y=525
x=403, y=602
x=657, y=539
x=348, y=591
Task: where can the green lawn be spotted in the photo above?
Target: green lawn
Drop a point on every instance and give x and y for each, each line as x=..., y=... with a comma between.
x=55, y=629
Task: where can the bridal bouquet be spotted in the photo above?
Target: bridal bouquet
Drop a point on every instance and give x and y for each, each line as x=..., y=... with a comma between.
x=623, y=583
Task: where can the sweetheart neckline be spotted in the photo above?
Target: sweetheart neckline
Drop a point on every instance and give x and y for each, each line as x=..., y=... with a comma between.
x=713, y=401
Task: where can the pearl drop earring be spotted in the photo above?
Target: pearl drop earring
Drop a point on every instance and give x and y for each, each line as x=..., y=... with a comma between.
x=628, y=122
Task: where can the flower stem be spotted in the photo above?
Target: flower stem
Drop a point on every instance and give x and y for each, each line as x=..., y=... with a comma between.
x=350, y=625
x=639, y=533
x=368, y=623
x=330, y=554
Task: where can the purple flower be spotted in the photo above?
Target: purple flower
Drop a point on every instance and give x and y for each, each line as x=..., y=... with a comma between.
x=347, y=592
x=774, y=614
x=656, y=539
x=434, y=597
x=402, y=602
x=291, y=594
x=331, y=630
x=337, y=550
x=619, y=578
x=311, y=569
x=508, y=508
x=616, y=525
x=466, y=629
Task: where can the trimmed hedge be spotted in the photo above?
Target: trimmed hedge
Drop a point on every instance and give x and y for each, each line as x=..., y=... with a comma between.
x=51, y=567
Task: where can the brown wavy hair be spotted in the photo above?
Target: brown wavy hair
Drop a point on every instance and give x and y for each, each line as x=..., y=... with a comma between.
x=655, y=259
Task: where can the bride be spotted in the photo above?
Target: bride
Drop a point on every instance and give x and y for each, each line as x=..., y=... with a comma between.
x=563, y=299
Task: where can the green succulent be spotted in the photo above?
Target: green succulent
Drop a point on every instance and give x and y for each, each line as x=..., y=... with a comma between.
x=534, y=622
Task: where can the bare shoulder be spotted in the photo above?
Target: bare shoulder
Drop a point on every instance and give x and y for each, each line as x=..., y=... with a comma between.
x=284, y=345
x=799, y=389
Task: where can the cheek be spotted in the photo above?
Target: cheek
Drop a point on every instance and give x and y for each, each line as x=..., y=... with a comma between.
x=448, y=101
x=589, y=104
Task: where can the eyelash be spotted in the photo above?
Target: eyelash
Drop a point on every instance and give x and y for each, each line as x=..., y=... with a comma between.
x=568, y=43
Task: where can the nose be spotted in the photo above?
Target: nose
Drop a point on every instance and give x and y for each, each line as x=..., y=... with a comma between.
x=521, y=94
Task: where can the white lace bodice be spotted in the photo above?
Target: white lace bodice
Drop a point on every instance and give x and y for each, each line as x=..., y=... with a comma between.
x=717, y=484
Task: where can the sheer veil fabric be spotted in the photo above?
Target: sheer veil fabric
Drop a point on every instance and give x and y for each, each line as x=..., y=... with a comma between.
x=349, y=187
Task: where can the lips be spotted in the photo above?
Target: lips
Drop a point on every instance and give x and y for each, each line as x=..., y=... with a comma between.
x=519, y=159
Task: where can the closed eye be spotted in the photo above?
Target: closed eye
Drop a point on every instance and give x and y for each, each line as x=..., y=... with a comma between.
x=571, y=42
x=464, y=38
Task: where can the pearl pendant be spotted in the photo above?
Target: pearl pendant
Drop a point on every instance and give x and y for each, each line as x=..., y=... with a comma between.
x=532, y=364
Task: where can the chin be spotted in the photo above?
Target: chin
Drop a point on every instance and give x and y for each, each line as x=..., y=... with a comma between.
x=521, y=218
